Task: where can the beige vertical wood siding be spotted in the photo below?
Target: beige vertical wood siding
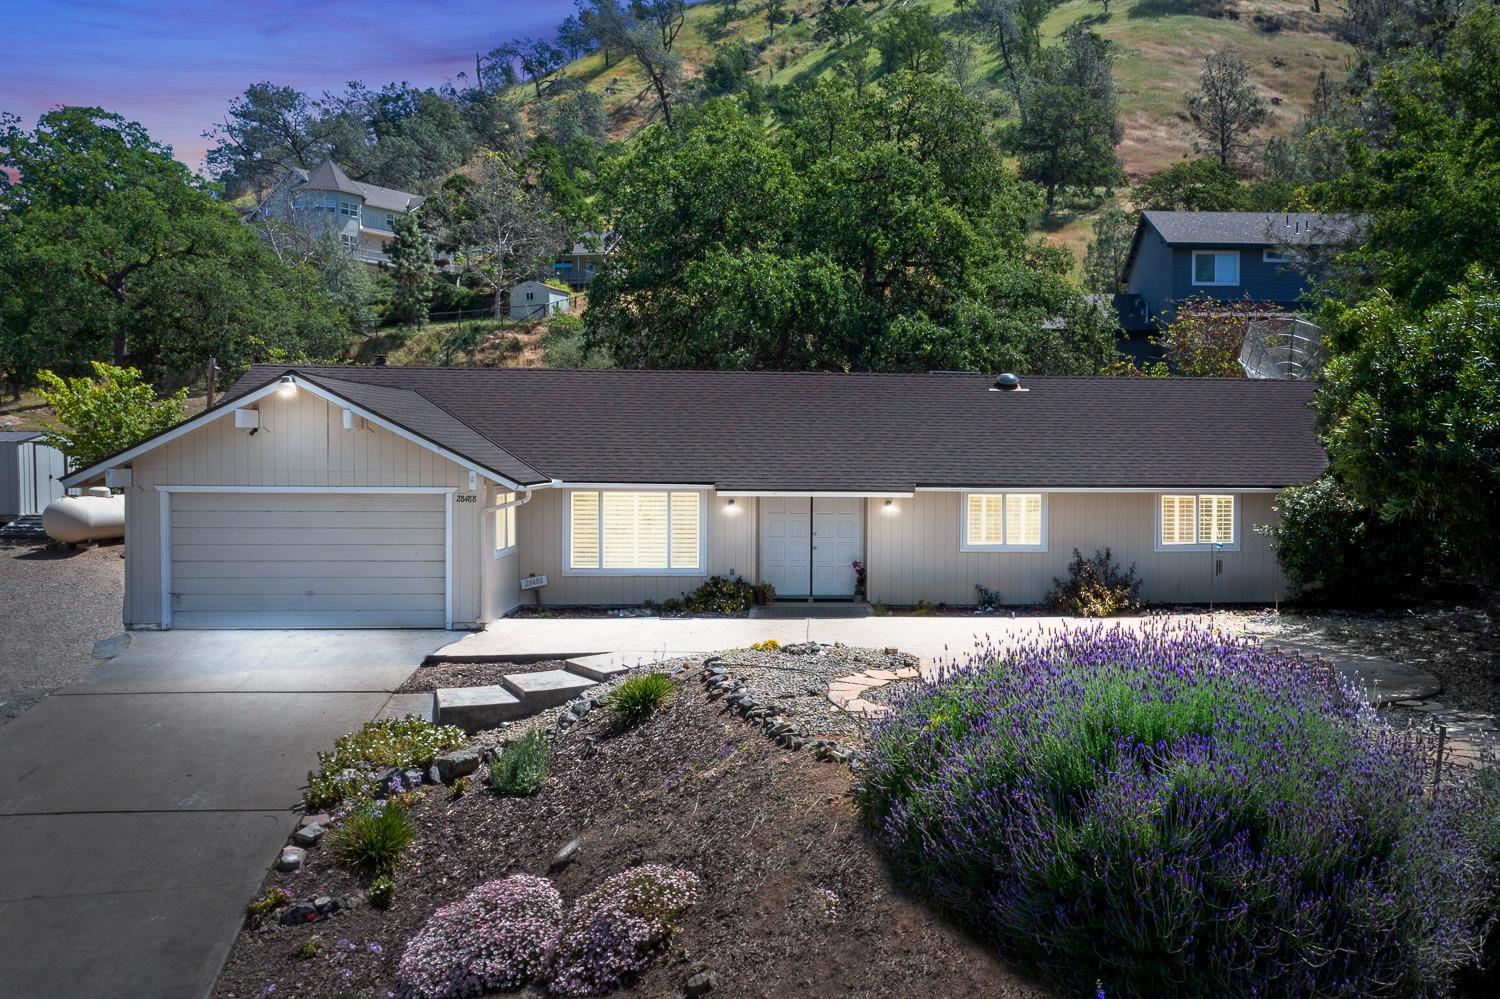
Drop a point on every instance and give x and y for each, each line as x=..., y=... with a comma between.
x=542, y=528
x=914, y=554
x=302, y=443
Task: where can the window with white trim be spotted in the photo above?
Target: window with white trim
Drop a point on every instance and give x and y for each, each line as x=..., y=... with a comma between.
x=349, y=208
x=1276, y=257
x=618, y=531
x=505, y=524
x=1004, y=522
x=1215, y=267
x=1196, y=520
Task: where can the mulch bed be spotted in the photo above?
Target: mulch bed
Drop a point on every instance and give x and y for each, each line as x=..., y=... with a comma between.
x=769, y=832
x=486, y=674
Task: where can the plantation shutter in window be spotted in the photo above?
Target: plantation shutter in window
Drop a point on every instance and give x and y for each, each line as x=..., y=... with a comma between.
x=1178, y=520
x=986, y=524
x=584, y=553
x=1216, y=520
x=635, y=530
x=685, y=531
x=1023, y=519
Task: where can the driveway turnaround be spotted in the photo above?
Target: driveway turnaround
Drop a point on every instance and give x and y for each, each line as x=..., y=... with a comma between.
x=141, y=807
x=632, y=641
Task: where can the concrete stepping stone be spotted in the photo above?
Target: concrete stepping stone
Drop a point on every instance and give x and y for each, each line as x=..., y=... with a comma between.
x=475, y=708
x=546, y=689
x=597, y=668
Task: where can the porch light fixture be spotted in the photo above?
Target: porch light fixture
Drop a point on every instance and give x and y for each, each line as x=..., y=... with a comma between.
x=730, y=508
x=287, y=387
x=889, y=507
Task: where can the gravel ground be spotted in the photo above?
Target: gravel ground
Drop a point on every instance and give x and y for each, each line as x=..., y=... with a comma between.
x=797, y=681
x=429, y=678
x=56, y=605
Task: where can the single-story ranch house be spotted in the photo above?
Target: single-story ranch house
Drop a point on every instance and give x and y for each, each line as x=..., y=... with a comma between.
x=413, y=497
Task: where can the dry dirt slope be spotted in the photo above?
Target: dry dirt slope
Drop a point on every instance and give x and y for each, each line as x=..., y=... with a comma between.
x=794, y=901
x=1160, y=46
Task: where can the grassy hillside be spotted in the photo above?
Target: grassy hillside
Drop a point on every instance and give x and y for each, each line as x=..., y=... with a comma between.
x=1159, y=50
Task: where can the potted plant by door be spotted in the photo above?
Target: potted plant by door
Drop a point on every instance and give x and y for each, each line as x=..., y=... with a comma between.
x=859, y=580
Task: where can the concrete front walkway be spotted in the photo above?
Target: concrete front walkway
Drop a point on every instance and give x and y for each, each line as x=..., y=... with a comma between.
x=635, y=640
x=141, y=807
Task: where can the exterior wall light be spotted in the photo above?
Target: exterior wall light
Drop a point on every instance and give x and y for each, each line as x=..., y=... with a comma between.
x=889, y=507
x=287, y=387
x=730, y=507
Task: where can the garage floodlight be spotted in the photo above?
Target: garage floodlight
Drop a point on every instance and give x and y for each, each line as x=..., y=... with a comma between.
x=288, y=387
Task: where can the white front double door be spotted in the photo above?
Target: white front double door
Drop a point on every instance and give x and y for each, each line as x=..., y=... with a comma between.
x=808, y=545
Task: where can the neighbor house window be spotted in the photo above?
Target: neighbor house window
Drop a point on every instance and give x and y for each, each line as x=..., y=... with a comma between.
x=390, y=222
x=1004, y=522
x=1216, y=268
x=1196, y=520
x=615, y=531
x=349, y=208
x=350, y=242
x=505, y=524
x=1276, y=257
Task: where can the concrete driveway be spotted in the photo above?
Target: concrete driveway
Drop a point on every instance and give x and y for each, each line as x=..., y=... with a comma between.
x=141, y=807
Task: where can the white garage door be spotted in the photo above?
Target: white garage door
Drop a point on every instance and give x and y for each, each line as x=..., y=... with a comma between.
x=308, y=560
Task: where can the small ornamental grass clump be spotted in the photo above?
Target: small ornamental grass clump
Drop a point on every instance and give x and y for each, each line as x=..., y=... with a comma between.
x=521, y=768
x=350, y=771
x=614, y=931
x=500, y=936
x=1174, y=812
x=640, y=697
x=372, y=837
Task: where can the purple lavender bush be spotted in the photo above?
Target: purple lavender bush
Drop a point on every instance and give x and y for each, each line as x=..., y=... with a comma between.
x=1175, y=812
x=614, y=931
x=500, y=936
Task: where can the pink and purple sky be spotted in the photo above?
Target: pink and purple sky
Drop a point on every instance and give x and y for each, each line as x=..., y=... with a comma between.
x=174, y=66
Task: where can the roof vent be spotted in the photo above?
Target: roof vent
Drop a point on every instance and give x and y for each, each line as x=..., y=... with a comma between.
x=1007, y=382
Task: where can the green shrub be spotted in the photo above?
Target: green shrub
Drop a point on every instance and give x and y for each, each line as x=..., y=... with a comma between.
x=717, y=595
x=924, y=608
x=349, y=772
x=1178, y=812
x=639, y=697
x=383, y=892
x=1325, y=540
x=563, y=345
x=371, y=839
x=522, y=767
x=270, y=900
x=1096, y=587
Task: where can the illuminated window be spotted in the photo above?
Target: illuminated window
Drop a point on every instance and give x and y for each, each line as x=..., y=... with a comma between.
x=505, y=524
x=614, y=531
x=1004, y=521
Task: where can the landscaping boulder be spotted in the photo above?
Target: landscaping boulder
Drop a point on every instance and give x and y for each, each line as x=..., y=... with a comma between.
x=564, y=856
x=291, y=858
x=298, y=913
x=459, y=763
x=700, y=984
x=308, y=835
x=318, y=819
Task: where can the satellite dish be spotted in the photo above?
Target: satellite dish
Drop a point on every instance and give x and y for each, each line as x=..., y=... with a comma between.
x=1283, y=347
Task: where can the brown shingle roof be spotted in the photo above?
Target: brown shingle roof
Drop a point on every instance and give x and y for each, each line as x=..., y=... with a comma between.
x=861, y=432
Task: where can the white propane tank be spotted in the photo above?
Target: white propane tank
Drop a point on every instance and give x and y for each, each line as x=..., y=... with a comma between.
x=96, y=516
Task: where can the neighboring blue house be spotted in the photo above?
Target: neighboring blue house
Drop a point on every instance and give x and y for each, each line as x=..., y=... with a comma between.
x=1228, y=256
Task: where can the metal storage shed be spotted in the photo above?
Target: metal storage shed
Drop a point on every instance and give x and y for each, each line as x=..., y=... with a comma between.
x=30, y=474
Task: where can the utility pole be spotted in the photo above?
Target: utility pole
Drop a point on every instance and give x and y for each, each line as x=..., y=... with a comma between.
x=212, y=378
